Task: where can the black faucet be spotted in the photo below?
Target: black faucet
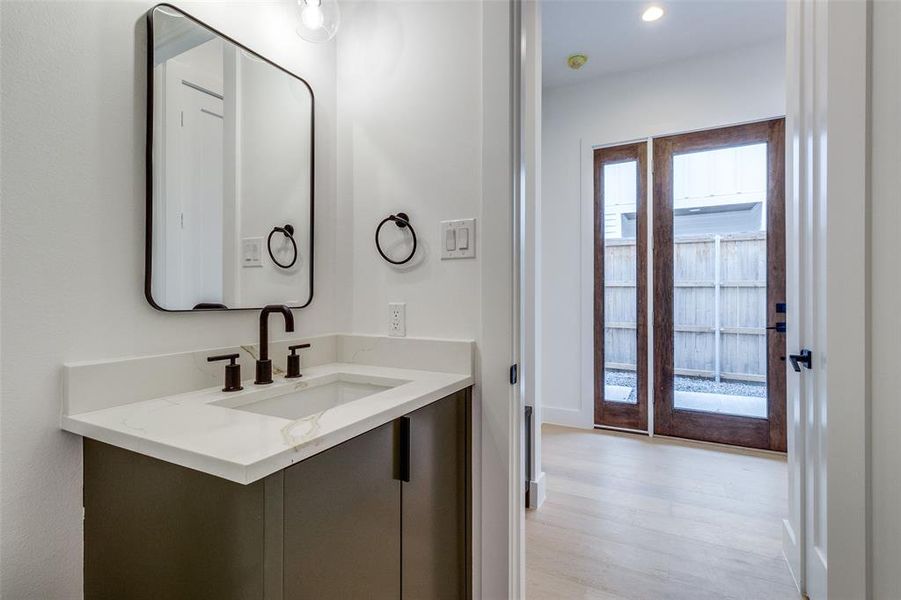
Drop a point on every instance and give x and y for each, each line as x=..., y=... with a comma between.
x=264, y=365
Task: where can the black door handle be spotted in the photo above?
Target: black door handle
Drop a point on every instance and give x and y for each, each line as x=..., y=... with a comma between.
x=805, y=358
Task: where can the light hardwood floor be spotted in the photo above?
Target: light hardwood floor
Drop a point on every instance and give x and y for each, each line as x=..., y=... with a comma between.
x=632, y=517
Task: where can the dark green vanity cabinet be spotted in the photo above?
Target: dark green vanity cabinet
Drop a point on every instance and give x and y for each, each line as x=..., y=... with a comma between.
x=341, y=524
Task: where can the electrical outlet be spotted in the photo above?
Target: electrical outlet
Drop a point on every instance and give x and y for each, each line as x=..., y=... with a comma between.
x=397, y=319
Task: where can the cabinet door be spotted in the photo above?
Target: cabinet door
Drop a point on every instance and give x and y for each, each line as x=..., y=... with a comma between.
x=342, y=521
x=434, y=528
x=154, y=530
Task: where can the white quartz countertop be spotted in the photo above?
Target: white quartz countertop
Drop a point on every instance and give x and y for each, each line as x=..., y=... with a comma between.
x=195, y=430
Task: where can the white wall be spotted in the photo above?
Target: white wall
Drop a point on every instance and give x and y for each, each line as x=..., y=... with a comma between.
x=724, y=89
x=410, y=140
x=885, y=288
x=72, y=113
x=424, y=128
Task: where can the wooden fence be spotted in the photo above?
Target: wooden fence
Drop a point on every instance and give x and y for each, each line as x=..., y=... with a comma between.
x=719, y=306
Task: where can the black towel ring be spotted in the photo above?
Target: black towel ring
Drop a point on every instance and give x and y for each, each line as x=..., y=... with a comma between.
x=288, y=231
x=402, y=221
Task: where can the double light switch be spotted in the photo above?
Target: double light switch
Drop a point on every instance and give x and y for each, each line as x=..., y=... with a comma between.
x=458, y=239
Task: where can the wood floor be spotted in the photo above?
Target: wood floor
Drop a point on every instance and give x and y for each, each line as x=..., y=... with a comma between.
x=630, y=517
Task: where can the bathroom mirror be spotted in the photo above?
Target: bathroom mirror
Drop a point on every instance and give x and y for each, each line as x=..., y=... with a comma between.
x=229, y=173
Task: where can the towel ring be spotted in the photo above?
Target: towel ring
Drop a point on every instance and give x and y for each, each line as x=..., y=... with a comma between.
x=288, y=231
x=402, y=221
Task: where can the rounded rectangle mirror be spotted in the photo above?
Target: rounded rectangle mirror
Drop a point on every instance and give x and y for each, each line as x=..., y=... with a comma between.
x=229, y=173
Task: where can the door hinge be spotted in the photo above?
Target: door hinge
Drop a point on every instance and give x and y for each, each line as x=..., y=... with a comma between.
x=514, y=374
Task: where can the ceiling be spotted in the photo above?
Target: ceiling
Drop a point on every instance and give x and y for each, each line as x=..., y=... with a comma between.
x=616, y=40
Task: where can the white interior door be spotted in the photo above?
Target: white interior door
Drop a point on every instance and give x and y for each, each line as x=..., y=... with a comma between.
x=200, y=149
x=811, y=305
x=825, y=532
x=193, y=206
x=805, y=531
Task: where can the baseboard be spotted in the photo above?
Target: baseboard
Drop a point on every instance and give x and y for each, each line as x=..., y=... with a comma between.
x=537, y=492
x=789, y=541
x=568, y=417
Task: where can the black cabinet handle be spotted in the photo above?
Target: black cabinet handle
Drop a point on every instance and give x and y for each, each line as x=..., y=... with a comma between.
x=405, y=448
x=805, y=358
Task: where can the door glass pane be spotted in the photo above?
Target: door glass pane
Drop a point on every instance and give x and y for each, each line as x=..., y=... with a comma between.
x=719, y=296
x=620, y=300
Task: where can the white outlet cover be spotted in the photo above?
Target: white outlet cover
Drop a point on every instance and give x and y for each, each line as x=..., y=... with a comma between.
x=397, y=319
x=457, y=239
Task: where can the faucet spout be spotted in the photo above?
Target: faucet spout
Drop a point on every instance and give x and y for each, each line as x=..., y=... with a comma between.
x=264, y=364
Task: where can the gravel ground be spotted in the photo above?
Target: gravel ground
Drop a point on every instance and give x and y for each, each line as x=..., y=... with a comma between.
x=692, y=384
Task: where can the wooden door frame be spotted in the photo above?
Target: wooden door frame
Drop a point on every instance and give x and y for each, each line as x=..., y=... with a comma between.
x=767, y=433
x=627, y=416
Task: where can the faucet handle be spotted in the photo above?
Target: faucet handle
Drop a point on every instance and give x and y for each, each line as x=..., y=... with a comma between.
x=294, y=361
x=232, y=371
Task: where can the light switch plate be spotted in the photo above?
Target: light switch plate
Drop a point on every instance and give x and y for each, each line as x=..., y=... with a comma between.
x=252, y=252
x=458, y=239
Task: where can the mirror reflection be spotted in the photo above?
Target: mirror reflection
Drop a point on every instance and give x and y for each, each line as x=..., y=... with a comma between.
x=230, y=171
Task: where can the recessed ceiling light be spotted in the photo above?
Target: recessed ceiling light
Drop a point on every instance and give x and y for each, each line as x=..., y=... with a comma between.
x=652, y=13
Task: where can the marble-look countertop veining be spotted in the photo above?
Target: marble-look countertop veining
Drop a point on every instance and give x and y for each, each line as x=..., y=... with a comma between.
x=194, y=430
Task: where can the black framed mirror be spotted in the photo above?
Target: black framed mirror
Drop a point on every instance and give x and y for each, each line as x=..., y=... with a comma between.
x=229, y=172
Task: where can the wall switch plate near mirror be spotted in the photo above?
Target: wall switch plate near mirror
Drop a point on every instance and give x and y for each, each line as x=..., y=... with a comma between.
x=458, y=239
x=252, y=252
x=229, y=173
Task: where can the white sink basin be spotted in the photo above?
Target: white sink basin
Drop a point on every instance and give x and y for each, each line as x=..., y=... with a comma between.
x=312, y=396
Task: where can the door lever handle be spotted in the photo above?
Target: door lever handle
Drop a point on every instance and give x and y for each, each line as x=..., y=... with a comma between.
x=805, y=358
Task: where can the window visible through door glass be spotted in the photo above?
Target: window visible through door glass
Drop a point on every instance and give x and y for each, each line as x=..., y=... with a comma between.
x=719, y=278
x=620, y=300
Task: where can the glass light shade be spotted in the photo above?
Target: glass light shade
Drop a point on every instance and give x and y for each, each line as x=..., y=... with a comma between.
x=319, y=19
x=652, y=14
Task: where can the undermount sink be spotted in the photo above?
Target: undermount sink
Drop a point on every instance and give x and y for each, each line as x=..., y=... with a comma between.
x=312, y=396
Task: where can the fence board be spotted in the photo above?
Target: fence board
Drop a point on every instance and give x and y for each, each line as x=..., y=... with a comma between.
x=719, y=305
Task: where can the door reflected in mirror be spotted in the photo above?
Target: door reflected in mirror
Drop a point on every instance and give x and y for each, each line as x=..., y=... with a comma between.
x=230, y=173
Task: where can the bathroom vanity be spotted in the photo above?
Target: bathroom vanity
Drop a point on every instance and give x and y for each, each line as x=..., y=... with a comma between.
x=352, y=481
x=347, y=478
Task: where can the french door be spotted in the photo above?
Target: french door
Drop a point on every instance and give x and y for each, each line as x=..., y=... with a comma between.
x=719, y=285
x=718, y=265
x=620, y=276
